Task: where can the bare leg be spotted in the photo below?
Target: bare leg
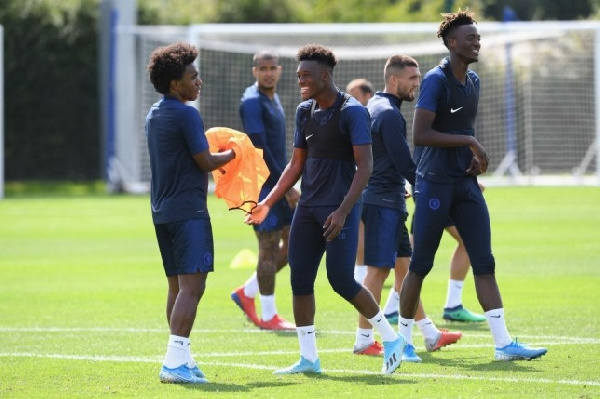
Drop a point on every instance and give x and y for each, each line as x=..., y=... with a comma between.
x=374, y=280
x=183, y=311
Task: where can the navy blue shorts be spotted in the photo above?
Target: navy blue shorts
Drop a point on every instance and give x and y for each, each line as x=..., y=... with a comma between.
x=386, y=236
x=461, y=201
x=280, y=215
x=186, y=246
x=307, y=246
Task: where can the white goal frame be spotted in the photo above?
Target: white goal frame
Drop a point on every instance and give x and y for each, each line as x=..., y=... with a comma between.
x=507, y=172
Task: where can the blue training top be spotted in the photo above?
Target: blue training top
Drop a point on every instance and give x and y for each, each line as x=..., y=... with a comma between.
x=392, y=162
x=175, y=132
x=264, y=123
x=328, y=135
x=455, y=108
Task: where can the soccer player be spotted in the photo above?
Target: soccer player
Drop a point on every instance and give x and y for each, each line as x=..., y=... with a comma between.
x=180, y=161
x=384, y=212
x=362, y=90
x=332, y=154
x=264, y=122
x=450, y=158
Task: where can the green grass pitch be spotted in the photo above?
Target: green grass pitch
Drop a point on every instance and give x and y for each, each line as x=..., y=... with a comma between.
x=82, y=297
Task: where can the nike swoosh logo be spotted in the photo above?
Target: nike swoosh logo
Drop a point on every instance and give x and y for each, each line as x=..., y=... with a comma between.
x=310, y=332
x=378, y=321
x=452, y=110
x=404, y=324
x=366, y=335
x=496, y=317
x=307, y=137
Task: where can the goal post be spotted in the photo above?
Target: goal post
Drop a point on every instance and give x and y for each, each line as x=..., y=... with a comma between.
x=539, y=108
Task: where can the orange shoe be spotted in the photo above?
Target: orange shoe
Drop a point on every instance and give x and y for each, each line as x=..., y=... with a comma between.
x=277, y=324
x=375, y=349
x=443, y=338
x=246, y=304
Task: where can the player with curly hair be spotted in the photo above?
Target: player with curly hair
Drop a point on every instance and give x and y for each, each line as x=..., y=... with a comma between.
x=449, y=160
x=180, y=161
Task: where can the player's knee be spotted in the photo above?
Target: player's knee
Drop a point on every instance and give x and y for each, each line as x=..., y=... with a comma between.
x=347, y=289
x=484, y=266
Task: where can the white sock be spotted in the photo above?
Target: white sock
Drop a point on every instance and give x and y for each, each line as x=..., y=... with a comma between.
x=364, y=337
x=405, y=328
x=360, y=271
x=267, y=304
x=454, y=294
x=383, y=327
x=177, y=351
x=191, y=362
x=428, y=329
x=251, y=286
x=393, y=302
x=495, y=318
x=308, y=342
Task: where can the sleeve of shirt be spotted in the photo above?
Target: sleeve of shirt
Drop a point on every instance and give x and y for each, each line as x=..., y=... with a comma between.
x=192, y=129
x=431, y=89
x=393, y=133
x=301, y=116
x=355, y=119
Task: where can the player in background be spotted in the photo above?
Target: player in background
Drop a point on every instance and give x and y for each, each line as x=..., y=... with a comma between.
x=264, y=122
x=332, y=154
x=384, y=209
x=450, y=159
x=362, y=90
x=180, y=161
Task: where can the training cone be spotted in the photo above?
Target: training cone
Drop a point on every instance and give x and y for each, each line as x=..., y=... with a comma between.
x=245, y=259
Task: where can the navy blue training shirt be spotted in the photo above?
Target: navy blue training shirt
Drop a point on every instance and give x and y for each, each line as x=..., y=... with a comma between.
x=175, y=132
x=455, y=106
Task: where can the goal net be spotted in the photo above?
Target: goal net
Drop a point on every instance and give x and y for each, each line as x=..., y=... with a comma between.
x=538, y=109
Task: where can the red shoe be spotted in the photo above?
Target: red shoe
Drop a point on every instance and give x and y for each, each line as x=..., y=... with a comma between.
x=246, y=304
x=443, y=338
x=277, y=324
x=375, y=349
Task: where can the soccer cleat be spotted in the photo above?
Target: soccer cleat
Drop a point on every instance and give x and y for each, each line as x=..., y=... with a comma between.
x=518, y=351
x=392, y=318
x=277, y=324
x=460, y=313
x=196, y=371
x=409, y=355
x=301, y=366
x=392, y=354
x=180, y=375
x=246, y=304
x=443, y=338
x=375, y=349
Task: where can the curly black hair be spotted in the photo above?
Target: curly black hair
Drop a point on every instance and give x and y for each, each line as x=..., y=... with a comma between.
x=317, y=52
x=168, y=63
x=452, y=20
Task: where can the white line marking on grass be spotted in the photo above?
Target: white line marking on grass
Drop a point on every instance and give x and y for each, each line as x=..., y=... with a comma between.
x=562, y=340
x=270, y=368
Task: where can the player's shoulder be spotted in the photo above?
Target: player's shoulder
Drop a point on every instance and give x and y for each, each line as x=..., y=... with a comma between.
x=251, y=93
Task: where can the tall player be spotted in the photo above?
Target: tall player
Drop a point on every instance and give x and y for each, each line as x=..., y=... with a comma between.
x=450, y=159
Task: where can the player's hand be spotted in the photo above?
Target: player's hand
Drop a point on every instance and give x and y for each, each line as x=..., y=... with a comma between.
x=257, y=215
x=407, y=193
x=333, y=225
x=292, y=197
x=480, y=160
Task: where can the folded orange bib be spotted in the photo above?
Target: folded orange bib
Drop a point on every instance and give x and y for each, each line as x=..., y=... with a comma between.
x=239, y=181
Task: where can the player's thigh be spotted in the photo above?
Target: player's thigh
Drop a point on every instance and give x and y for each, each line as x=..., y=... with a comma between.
x=383, y=229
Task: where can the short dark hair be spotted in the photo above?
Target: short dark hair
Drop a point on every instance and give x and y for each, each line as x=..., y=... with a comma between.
x=452, y=20
x=168, y=63
x=265, y=55
x=317, y=52
x=396, y=62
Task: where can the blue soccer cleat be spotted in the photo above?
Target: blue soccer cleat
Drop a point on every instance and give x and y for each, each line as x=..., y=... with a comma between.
x=518, y=351
x=301, y=366
x=180, y=375
x=409, y=355
x=196, y=371
x=392, y=354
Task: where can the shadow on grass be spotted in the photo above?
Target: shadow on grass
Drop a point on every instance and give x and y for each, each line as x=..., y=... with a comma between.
x=224, y=387
x=482, y=365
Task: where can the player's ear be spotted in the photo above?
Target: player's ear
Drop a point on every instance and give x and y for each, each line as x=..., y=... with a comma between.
x=254, y=71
